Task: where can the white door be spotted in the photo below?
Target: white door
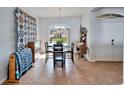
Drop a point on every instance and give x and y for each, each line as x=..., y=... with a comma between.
x=118, y=29
x=109, y=40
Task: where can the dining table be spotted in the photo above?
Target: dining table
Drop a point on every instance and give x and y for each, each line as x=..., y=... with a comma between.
x=66, y=46
x=66, y=49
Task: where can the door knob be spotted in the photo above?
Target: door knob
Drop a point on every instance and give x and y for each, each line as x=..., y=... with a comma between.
x=112, y=41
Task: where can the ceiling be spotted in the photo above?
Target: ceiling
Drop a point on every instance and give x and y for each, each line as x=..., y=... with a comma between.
x=54, y=11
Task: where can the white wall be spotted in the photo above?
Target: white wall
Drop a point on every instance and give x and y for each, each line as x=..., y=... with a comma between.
x=44, y=23
x=123, y=57
x=7, y=39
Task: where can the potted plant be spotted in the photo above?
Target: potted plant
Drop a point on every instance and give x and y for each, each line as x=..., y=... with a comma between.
x=59, y=41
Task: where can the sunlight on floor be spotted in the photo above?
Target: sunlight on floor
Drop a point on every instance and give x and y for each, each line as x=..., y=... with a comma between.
x=40, y=56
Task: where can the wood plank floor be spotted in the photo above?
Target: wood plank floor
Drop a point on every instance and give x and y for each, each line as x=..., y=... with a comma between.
x=81, y=72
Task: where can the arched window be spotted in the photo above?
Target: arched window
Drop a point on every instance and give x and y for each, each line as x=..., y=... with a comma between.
x=110, y=15
x=59, y=33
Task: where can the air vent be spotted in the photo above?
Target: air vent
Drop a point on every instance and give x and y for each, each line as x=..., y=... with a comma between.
x=110, y=15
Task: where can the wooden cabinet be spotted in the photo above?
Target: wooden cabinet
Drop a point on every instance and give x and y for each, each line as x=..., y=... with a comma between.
x=82, y=45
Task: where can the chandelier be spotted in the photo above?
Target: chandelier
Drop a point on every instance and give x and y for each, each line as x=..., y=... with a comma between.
x=61, y=27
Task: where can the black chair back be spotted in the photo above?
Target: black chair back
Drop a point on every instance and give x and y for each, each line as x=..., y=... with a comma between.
x=58, y=48
x=58, y=54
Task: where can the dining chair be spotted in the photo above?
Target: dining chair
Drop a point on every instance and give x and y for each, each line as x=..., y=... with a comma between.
x=58, y=55
x=71, y=51
x=48, y=50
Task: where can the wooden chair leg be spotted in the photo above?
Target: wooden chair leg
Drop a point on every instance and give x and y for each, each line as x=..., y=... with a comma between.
x=54, y=64
x=64, y=59
x=72, y=57
x=63, y=63
x=46, y=58
x=79, y=56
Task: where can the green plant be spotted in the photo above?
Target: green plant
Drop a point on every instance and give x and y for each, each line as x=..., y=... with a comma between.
x=59, y=40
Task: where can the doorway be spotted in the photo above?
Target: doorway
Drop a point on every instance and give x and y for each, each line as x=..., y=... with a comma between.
x=109, y=39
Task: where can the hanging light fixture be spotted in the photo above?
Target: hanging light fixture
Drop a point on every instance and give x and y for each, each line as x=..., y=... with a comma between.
x=61, y=27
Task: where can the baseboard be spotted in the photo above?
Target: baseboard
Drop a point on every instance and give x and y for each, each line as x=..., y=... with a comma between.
x=109, y=60
x=1, y=81
x=41, y=52
x=122, y=83
x=90, y=60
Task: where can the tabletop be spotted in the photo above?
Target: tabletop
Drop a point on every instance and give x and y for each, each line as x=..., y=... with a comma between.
x=66, y=46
